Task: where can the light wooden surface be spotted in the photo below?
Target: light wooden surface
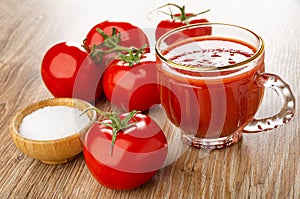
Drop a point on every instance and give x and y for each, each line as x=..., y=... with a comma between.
x=264, y=165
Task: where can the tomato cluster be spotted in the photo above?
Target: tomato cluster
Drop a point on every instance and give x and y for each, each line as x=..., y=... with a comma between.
x=114, y=61
x=71, y=70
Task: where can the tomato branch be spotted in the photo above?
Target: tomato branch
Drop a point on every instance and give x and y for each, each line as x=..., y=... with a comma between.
x=116, y=123
x=182, y=16
x=130, y=55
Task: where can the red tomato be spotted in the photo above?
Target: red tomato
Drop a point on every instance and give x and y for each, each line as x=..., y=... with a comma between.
x=130, y=35
x=167, y=25
x=138, y=153
x=68, y=71
x=132, y=87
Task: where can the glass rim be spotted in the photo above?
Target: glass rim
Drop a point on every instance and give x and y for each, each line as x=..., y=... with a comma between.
x=259, y=51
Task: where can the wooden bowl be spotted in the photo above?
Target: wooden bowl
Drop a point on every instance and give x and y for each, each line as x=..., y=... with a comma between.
x=58, y=151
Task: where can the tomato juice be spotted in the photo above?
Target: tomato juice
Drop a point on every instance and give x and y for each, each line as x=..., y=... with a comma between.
x=207, y=85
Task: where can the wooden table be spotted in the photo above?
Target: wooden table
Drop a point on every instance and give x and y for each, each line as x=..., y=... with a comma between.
x=263, y=165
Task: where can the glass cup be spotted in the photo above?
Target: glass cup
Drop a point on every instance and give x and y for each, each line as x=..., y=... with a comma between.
x=211, y=83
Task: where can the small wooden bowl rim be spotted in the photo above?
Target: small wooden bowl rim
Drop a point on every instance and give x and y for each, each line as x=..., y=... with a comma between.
x=49, y=102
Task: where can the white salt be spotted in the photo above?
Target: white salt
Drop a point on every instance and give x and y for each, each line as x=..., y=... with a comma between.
x=53, y=122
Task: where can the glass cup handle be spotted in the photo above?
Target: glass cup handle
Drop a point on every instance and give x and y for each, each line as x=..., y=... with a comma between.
x=288, y=104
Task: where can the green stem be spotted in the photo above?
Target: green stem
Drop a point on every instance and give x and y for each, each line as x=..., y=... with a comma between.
x=113, y=140
x=182, y=16
x=130, y=55
x=168, y=5
x=116, y=124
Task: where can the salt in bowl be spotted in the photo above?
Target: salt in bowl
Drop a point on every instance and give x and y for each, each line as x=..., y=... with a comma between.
x=53, y=151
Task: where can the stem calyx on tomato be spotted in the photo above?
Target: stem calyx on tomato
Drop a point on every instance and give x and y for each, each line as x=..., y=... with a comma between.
x=116, y=123
x=183, y=16
x=130, y=55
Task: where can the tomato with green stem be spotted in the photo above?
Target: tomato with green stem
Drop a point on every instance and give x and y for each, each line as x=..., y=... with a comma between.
x=124, y=151
x=132, y=87
x=181, y=19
